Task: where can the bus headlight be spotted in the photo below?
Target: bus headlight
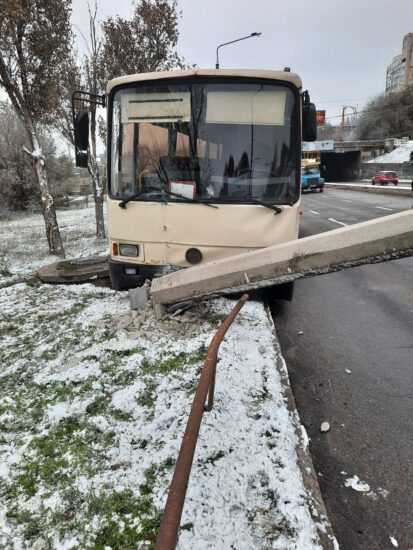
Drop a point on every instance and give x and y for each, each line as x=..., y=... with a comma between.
x=129, y=250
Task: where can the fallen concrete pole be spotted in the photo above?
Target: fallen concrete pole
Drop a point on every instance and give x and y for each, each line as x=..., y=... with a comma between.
x=374, y=241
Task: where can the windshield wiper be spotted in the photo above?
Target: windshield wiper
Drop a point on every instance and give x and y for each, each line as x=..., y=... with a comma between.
x=188, y=199
x=277, y=209
x=236, y=200
x=123, y=203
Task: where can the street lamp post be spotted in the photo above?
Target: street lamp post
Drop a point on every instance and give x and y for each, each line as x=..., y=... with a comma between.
x=232, y=41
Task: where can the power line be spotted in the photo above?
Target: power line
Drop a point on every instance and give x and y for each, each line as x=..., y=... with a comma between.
x=371, y=109
x=339, y=100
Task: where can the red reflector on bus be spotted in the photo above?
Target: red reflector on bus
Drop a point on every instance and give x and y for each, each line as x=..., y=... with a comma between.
x=115, y=249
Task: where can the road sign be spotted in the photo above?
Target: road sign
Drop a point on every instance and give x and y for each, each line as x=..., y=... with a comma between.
x=321, y=118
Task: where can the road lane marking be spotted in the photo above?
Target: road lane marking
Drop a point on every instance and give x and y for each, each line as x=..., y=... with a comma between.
x=347, y=200
x=314, y=212
x=384, y=208
x=335, y=221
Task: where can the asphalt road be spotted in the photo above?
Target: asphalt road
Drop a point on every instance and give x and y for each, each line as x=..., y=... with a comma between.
x=359, y=320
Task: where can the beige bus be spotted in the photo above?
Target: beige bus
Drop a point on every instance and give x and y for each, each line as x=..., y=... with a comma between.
x=202, y=165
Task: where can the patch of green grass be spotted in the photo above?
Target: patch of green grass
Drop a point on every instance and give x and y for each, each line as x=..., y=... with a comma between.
x=47, y=463
x=5, y=271
x=148, y=397
x=128, y=352
x=121, y=415
x=27, y=520
x=213, y=458
x=10, y=328
x=126, y=506
x=98, y=406
x=150, y=370
x=174, y=363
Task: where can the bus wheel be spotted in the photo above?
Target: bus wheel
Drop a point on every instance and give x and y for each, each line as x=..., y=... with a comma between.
x=321, y=189
x=285, y=291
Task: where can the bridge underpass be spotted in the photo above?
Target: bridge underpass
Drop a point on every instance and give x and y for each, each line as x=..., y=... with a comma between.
x=340, y=165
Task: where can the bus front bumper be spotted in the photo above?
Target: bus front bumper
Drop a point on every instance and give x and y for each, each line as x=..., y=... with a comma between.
x=127, y=275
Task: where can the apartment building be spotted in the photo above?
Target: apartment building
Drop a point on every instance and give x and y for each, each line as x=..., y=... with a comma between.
x=399, y=73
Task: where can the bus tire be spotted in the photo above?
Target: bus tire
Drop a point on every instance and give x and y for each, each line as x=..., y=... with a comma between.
x=115, y=284
x=284, y=291
x=321, y=189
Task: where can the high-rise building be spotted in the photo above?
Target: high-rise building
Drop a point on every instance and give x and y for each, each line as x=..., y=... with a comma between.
x=400, y=71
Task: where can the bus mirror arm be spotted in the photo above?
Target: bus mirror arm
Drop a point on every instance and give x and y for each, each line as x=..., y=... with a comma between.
x=81, y=124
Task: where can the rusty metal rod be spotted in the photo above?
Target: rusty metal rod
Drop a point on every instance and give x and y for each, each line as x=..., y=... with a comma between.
x=211, y=390
x=168, y=531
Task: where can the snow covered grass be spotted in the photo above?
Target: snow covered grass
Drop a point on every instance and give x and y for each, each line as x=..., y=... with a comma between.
x=23, y=247
x=94, y=402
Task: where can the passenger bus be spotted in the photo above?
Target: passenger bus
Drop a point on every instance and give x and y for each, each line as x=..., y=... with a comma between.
x=201, y=165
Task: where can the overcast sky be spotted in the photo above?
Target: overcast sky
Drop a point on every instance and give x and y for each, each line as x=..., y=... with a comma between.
x=339, y=48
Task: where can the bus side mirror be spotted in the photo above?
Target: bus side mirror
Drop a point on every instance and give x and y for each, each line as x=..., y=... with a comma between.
x=309, y=122
x=81, y=128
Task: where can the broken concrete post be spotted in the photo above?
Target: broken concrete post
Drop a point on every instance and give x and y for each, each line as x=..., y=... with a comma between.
x=138, y=296
x=159, y=310
x=373, y=241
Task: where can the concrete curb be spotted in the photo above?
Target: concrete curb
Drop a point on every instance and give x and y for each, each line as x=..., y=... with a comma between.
x=381, y=190
x=320, y=517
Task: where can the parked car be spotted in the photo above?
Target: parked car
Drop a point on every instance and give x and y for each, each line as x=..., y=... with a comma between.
x=385, y=177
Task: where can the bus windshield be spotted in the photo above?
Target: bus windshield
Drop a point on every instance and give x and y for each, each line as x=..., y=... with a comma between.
x=231, y=142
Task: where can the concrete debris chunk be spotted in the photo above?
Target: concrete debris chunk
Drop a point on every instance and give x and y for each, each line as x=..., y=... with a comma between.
x=138, y=297
x=325, y=426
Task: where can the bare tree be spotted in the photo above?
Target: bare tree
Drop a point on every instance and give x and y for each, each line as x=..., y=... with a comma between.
x=84, y=75
x=145, y=43
x=35, y=39
x=91, y=73
x=387, y=116
x=18, y=188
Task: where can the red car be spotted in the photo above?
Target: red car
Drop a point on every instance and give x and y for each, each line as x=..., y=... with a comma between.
x=383, y=178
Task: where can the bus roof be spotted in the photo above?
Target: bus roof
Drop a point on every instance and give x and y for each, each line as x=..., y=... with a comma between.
x=243, y=73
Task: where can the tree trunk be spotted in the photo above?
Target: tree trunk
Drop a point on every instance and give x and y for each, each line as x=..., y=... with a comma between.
x=97, y=185
x=98, y=193
x=48, y=207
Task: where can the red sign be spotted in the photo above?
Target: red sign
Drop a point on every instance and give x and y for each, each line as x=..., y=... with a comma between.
x=321, y=118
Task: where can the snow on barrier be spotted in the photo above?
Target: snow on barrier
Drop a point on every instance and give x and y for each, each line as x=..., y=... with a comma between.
x=374, y=241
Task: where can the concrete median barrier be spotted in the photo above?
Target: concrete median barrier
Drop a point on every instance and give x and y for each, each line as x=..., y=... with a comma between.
x=374, y=241
x=403, y=191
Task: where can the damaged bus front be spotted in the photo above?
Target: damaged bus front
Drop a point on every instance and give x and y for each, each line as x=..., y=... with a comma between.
x=202, y=165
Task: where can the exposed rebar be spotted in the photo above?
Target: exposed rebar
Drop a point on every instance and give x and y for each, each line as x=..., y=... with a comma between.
x=168, y=531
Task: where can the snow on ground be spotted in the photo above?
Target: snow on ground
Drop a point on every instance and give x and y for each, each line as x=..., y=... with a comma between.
x=400, y=154
x=356, y=484
x=93, y=404
x=23, y=246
